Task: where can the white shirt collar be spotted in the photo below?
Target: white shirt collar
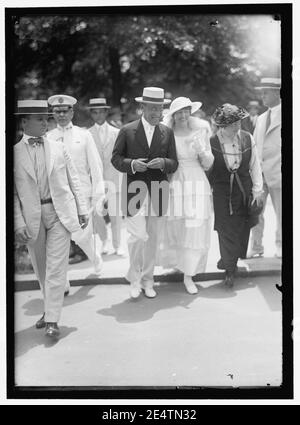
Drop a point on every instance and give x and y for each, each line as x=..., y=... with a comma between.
x=147, y=126
x=67, y=127
x=100, y=127
x=26, y=137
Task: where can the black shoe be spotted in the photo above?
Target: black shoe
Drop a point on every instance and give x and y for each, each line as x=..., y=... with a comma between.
x=66, y=293
x=279, y=287
x=41, y=322
x=229, y=280
x=77, y=259
x=52, y=329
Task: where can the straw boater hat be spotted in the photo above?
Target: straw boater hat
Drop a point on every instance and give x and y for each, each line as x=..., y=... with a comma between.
x=99, y=102
x=35, y=107
x=61, y=100
x=269, y=83
x=228, y=114
x=154, y=95
x=183, y=102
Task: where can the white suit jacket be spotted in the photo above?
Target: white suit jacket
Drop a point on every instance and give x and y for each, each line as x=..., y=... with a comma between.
x=85, y=156
x=105, y=147
x=66, y=193
x=269, y=147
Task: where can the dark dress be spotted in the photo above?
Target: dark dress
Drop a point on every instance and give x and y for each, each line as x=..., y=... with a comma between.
x=231, y=191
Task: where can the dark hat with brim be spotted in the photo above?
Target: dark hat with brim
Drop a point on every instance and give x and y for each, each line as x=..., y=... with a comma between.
x=228, y=114
x=32, y=107
x=269, y=83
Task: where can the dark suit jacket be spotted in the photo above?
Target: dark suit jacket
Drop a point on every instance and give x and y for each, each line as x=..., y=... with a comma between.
x=132, y=144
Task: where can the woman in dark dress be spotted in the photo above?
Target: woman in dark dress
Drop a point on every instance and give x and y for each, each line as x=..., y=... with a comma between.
x=236, y=180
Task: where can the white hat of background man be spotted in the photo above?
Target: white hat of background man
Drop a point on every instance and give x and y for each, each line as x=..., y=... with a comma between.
x=183, y=102
x=61, y=100
x=269, y=83
x=153, y=95
x=35, y=107
x=98, y=102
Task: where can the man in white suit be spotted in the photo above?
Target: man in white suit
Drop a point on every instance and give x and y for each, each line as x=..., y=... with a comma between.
x=48, y=206
x=84, y=154
x=267, y=136
x=105, y=136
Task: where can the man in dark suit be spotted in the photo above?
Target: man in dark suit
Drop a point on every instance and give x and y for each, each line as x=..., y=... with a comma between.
x=145, y=150
x=249, y=123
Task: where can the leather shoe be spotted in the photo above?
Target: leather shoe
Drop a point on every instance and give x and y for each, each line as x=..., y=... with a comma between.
x=52, y=329
x=77, y=259
x=149, y=292
x=255, y=254
x=190, y=286
x=229, y=280
x=41, y=322
x=135, y=292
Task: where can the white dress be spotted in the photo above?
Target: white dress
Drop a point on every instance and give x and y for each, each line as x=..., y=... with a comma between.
x=185, y=241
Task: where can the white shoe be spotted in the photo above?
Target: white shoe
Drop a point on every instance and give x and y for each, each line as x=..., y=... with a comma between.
x=150, y=293
x=98, y=266
x=190, y=286
x=278, y=252
x=120, y=252
x=105, y=247
x=135, y=290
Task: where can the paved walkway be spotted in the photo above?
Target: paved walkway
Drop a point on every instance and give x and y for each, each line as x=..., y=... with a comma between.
x=115, y=267
x=217, y=338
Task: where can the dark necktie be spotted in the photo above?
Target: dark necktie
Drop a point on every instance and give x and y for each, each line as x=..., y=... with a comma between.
x=268, y=122
x=35, y=141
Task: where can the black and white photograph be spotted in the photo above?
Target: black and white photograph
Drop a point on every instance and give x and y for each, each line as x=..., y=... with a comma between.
x=148, y=196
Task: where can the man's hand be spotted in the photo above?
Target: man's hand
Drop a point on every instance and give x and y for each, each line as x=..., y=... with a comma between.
x=22, y=235
x=258, y=198
x=139, y=165
x=156, y=163
x=83, y=220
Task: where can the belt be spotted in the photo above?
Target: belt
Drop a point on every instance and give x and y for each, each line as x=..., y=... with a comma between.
x=46, y=201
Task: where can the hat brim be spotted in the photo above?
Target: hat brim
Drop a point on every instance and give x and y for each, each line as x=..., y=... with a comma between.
x=165, y=101
x=267, y=87
x=98, y=107
x=33, y=113
x=194, y=107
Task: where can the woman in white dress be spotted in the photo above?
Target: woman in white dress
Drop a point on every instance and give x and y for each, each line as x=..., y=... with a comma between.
x=185, y=242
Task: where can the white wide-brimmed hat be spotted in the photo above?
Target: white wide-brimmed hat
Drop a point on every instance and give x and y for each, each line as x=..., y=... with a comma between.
x=98, y=102
x=32, y=107
x=269, y=83
x=183, y=102
x=61, y=100
x=154, y=95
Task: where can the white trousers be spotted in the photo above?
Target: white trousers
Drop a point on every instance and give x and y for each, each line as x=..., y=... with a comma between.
x=115, y=215
x=142, y=246
x=49, y=255
x=258, y=230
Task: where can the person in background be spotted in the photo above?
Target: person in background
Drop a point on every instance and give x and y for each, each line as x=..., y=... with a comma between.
x=249, y=123
x=145, y=152
x=267, y=136
x=105, y=136
x=115, y=117
x=48, y=205
x=84, y=154
x=236, y=181
x=185, y=242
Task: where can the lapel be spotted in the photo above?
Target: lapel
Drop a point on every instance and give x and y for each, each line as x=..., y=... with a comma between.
x=140, y=136
x=276, y=120
x=49, y=155
x=156, y=139
x=24, y=159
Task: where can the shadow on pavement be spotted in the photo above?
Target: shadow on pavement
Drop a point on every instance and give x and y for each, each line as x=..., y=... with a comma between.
x=30, y=338
x=36, y=305
x=169, y=295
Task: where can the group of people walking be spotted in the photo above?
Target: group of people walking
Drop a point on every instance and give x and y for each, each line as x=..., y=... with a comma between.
x=167, y=177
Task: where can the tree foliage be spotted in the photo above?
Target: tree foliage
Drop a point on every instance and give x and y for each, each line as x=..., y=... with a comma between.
x=209, y=58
